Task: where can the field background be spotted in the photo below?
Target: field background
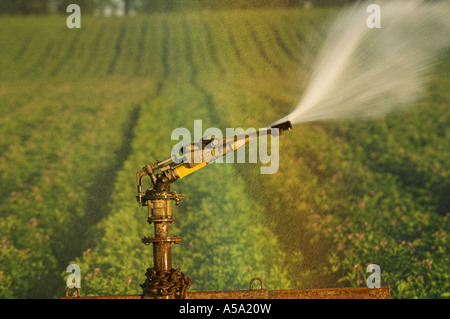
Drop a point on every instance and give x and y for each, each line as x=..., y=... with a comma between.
x=82, y=110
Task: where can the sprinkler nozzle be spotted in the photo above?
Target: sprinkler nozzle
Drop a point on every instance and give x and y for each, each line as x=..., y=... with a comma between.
x=283, y=126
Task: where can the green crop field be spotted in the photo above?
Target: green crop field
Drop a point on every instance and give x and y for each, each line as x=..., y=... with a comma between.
x=82, y=110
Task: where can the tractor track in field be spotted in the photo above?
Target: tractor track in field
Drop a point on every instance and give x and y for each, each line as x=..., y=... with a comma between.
x=164, y=58
x=97, y=43
x=282, y=45
x=211, y=48
x=78, y=234
x=307, y=46
x=24, y=48
x=40, y=61
x=193, y=78
x=117, y=49
x=319, y=31
x=141, y=47
x=70, y=52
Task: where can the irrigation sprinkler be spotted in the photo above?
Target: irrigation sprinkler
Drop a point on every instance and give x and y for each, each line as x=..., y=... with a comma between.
x=163, y=281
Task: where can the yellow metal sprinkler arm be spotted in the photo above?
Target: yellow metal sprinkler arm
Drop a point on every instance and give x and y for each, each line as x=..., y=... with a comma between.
x=198, y=155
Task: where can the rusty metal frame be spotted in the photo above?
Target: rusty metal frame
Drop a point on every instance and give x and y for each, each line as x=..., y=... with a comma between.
x=327, y=293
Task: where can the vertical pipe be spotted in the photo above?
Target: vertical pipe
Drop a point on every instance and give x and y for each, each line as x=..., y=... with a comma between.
x=159, y=211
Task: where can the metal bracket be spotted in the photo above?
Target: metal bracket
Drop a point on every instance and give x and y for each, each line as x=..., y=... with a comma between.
x=78, y=292
x=259, y=279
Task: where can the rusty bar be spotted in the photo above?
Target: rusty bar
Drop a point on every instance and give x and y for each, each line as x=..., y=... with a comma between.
x=328, y=293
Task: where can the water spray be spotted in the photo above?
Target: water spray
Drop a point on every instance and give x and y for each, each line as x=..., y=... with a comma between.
x=365, y=73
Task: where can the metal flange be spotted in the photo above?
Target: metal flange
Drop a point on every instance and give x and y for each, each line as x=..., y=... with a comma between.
x=174, y=239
